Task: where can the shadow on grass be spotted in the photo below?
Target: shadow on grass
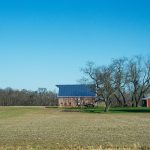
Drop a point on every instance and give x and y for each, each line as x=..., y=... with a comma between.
x=112, y=110
x=131, y=110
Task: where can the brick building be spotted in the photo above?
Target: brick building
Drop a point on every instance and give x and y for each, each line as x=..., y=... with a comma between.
x=75, y=95
x=146, y=101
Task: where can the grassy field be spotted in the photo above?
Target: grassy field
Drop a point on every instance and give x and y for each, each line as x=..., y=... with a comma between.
x=51, y=128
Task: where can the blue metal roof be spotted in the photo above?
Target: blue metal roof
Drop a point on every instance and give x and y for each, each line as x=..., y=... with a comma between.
x=75, y=91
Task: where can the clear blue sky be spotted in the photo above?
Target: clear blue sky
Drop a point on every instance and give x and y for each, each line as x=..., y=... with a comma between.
x=46, y=42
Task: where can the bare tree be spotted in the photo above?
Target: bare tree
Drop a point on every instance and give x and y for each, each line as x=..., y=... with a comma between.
x=138, y=78
x=126, y=80
x=102, y=79
x=120, y=79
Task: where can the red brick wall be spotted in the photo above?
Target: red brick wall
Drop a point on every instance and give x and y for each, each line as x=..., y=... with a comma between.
x=148, y=102
x=72, y=101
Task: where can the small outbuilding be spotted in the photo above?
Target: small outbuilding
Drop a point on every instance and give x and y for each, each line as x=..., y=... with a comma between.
x=146, y=102
x=75, y=95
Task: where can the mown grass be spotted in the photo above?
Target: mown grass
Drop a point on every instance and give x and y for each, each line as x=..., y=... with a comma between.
x=8, y=112
x=49, y=128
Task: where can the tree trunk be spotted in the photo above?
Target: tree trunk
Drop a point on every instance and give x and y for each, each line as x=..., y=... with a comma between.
x=132, y=101
x=124, y=99
x=106, y=109
x=136, y=103
x=119, y=101
x=107, y=106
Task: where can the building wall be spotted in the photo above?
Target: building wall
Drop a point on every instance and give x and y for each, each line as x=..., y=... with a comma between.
x=148, y=102
x=75, y=101
x=145, y=102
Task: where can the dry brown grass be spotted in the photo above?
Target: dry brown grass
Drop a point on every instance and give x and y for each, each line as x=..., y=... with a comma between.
x=48, y=128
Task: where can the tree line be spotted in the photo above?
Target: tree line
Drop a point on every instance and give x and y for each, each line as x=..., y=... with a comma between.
x=124, y=81
x=41, y=97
